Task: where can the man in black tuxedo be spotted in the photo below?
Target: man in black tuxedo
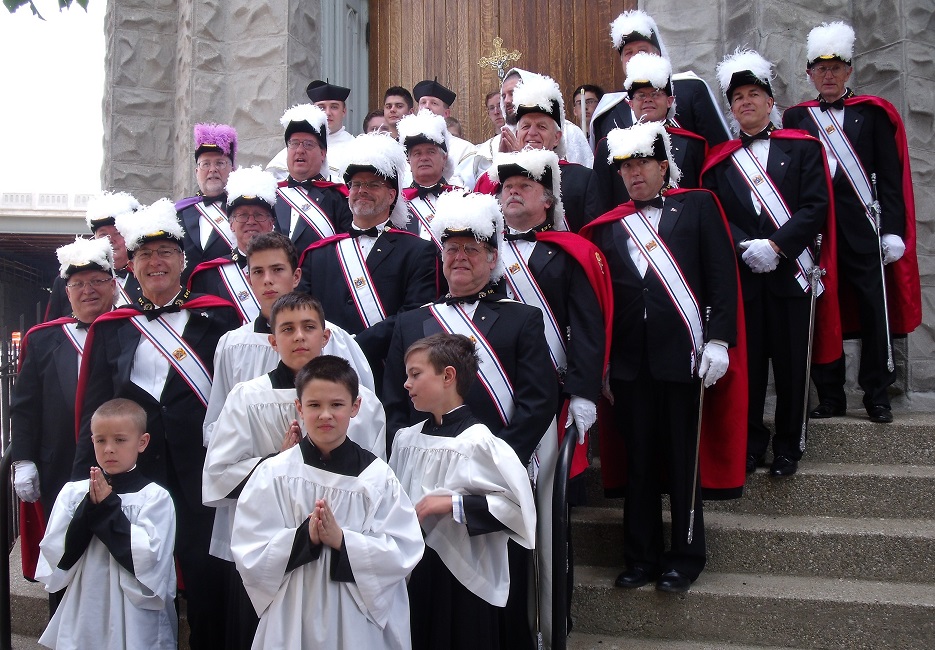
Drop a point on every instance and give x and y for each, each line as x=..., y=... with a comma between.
x=772, y=240
x=470, y=227
x=633, y=32
x=204, y=216
x=869, y=126
x=122, y=361
x=670, y=258
x=649, y=95
x=366, y=277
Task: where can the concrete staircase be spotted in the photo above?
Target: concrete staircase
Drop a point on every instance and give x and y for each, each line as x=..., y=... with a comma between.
x=841, y=555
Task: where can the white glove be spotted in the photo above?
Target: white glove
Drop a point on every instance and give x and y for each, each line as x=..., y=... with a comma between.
x=26, y=481
x=714, y=362
x=893, y=248
x=584, y=413
x=760, y=256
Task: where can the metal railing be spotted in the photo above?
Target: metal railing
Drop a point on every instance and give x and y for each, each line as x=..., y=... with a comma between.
x=8, y=532
x=560, y=539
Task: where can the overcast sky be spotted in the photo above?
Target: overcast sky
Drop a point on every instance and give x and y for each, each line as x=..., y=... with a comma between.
x=53, y=80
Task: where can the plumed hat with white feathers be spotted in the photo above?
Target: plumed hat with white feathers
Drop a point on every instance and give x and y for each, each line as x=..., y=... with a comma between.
x=643, y=140
x=830, y=41
x=306, y=118
x=251, y=186
x=636, y=25
x=85, y=255
x=648, y=70
x=152, y=223
x=426, y=128
x=217, y=138
x=744, y=68
x=378, y=154
x=538, y=164
x=104, y=208
x=538, y=93
x=470, y=215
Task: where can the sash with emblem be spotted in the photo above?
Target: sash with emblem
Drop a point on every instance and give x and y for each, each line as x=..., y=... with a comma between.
x=759, y=182
x=241, y=294
x=526, y=290
x=308, y=210
x=218, y=220
x=123, y=298
x=359, y=282
x=423, y=211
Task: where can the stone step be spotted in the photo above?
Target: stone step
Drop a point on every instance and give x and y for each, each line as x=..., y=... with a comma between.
x=579, y=641
x=722, y=608
x=901, y=550
x=908, y=440
x=820, y=489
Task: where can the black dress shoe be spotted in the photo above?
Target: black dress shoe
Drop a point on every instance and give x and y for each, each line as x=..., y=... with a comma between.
x=826, y=410
x=633, y=578
x=783, y=466
x=673, y=582
x=751, y=463
x=880, y=414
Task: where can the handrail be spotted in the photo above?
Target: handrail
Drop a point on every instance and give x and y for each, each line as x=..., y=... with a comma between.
x=6, y=543
x=560, y=539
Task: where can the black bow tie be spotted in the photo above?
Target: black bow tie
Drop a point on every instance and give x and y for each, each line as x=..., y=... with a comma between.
x=152, y=312
x=306, y=185
x=208, y=200
x=837, y=104
x=529, y=235
x=122, y=273
x=474, y=297
x=655, y=202
x=82, y=325
x=369, y=232
x=747, y=140
x=435, y=190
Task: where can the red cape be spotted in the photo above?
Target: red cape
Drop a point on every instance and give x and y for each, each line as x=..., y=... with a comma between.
x=341, y=187
x=31, y=519
x=903, y=287
x=591, y=260
x=723, y=451
x=685, y=133
x=204, y=266
x=410, y=193
x=827, y=345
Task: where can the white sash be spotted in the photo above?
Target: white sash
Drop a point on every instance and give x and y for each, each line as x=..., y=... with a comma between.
x=424, y=218
x=218, y=220
x=308, y=209
x=71, y=333
x=836, y=143
x=759, y=182
x=240, y=292
x=359, y=282
x=526, y=290
x=663, y=264
x=178, y=353
x=454, y=320
x=123, y=298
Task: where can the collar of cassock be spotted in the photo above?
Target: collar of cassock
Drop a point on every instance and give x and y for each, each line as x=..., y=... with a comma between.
x=153, y=312
x=306, y=185
x=281, y=377
x=127, y=482
x=208, y=200
x=836, y=104
x=655, y=202
x=529, y=235
x=489, y=293
x=261, y=325
x=746, y=140
x=437, y=189
x=452, y=424
x=347, y=458
x=372, y=231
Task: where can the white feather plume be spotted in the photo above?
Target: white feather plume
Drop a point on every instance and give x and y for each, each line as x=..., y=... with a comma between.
x=535, y=161
x=86, y=251
x=252, y=181
x=304, y=113
x=743, y=60
x=648, y=67
x=425, y=123
x=479, y=213
x=831, y=40
x=388, y=158
x=637, y=142
x=155, y=218
x=635, y=20
x=109, y=205
x=539, y=90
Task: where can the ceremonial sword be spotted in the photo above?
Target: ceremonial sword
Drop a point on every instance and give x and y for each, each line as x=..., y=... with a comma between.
x=814, y=277
x=876, y=212
x=691, y=512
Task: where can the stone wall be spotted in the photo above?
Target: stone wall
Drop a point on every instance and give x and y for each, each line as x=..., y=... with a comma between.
x=894, y=57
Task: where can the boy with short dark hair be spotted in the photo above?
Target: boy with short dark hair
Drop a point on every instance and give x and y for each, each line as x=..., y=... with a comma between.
x=479, y=498
x=110, y=540
x=324, y=535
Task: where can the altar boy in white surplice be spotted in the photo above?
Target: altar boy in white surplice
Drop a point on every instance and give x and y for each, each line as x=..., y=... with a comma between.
x=471, y=493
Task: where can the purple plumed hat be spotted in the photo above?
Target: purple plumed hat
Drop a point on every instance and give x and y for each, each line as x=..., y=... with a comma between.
x=219, y=138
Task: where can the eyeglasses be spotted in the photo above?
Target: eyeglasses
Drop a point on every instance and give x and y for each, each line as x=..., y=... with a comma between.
x=307, y=145
x=94, y=284
x=163, y=253
x=369, y=185
x=216, y=164
x=470, y=250
x=655, y=95
x=837, y=70
x=587, y=102
x=259, y=217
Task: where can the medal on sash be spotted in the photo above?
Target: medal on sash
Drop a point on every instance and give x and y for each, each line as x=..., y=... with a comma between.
x=424, y=217
x=218, y=220
x=241, y=294
x=308, y=210
x=359, y=282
